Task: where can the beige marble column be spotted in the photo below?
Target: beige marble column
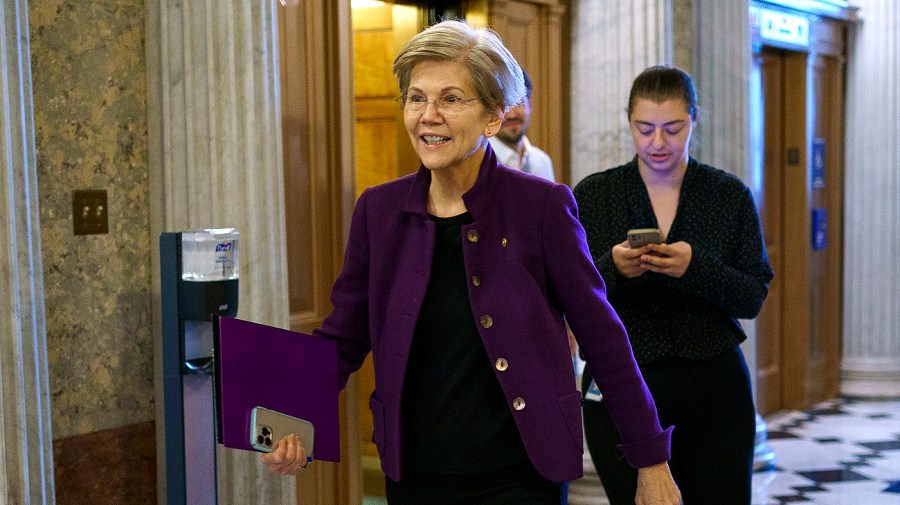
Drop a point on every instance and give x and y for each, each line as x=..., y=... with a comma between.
x=26, y=470
x=721, y=71
x=611, y=43
x=724, y=137
x=721, y=68
x=215, y=160
x=871, y=346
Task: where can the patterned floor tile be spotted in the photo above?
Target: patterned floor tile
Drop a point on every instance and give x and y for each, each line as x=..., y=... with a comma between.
x=842, y=452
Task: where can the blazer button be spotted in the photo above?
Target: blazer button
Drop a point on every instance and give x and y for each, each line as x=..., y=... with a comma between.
x=519, y=403
x=472, y=235
x=476, y=281
x=487, y=322
x=503, y=242
x=501, y=364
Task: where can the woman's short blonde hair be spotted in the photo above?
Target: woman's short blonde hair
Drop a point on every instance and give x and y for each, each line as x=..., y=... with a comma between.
x=495, y=73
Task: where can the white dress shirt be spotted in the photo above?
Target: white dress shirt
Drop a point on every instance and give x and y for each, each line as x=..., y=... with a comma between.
x=534, y=160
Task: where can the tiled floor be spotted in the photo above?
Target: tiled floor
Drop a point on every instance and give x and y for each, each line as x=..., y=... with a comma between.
x=841, y=452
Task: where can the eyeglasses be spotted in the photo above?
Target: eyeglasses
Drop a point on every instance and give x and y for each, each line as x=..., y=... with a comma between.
x=448, y=104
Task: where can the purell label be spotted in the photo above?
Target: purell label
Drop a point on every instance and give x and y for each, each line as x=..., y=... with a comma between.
x=209, y=254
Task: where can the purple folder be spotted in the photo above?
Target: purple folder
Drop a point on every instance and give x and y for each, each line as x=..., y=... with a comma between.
x=281, y=370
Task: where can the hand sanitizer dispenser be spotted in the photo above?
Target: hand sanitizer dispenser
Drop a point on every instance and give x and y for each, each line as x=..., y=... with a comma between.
x=209, y=269
x=208, y=285
x=199, y=280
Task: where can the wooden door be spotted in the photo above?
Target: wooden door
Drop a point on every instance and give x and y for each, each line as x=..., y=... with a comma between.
x=519, y=25
x=532, y=31
x=798, y=330
x=383, y=148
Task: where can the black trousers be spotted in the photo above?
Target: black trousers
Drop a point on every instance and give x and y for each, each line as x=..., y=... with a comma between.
x=520, y=484
x=711, y=406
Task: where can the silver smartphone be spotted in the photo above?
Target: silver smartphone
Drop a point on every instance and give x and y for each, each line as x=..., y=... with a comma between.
x=643, y=236
x=267, y=427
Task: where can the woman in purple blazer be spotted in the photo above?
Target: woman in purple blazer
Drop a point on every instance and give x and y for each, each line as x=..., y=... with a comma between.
x=459, y=279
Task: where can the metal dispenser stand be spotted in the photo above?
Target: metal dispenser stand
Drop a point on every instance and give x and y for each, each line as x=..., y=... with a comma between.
x=188, y=307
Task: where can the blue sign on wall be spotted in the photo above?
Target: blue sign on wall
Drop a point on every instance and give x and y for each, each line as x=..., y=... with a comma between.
x=818, y=163
x=819, y=228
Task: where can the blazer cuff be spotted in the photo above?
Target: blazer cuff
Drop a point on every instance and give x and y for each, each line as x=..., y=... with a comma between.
x=652, y=451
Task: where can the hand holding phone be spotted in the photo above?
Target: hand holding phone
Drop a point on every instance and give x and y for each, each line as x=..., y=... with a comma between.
x=642, y=236
x=268, y=427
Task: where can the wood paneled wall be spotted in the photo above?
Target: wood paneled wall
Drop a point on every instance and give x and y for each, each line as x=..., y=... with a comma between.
x=383, y=149
x=317, y=98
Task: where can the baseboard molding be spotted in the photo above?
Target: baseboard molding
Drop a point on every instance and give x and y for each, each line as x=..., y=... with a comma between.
x=872, y=384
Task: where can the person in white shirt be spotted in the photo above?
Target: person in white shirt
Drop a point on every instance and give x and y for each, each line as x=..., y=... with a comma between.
x=512, y=146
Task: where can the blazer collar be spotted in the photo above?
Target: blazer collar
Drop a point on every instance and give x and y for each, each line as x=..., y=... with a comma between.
x=477, y=198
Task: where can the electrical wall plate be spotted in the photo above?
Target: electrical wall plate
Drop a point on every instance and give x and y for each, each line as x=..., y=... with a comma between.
x=90, y=212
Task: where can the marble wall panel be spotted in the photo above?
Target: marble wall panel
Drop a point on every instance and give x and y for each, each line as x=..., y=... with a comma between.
x=90, y=100
x=870, y=364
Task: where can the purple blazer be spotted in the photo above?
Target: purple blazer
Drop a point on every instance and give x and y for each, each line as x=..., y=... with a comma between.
x=529, y=268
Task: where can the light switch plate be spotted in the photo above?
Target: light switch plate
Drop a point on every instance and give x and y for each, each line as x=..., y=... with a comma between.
x=90, y=214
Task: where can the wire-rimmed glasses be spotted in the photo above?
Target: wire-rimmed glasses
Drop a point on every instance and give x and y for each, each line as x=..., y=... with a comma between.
x=447, y=104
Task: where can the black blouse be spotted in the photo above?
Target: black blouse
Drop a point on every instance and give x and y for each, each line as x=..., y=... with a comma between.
x=695, y=316
x=455, y=417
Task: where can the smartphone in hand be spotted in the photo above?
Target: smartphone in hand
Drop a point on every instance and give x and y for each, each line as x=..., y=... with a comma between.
x=267, y=427
x=643, y=236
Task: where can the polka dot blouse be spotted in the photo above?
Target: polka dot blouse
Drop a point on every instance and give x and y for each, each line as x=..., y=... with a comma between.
x=695, y=316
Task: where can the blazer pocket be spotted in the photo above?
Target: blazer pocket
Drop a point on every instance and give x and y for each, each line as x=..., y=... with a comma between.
x=377, y=409
x=570, y=405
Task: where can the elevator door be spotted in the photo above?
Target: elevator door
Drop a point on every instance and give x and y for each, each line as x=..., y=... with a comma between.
x=798, y=331
x=769, y=327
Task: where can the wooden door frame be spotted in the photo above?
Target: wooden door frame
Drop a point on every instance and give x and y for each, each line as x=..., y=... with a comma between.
x=317, y=118
x=770, y=382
